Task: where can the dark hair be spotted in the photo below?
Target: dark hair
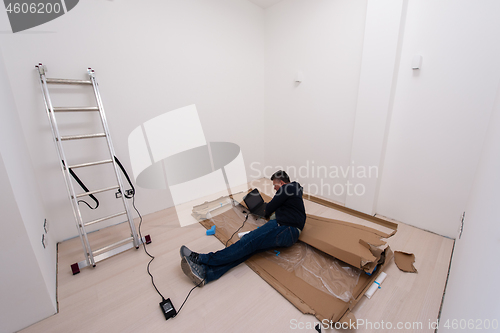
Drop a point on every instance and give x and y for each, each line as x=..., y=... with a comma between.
x=281, y=175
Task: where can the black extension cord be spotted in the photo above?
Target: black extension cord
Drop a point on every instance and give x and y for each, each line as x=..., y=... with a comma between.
x=144, y=246
x=166, y=304
x=238, y=229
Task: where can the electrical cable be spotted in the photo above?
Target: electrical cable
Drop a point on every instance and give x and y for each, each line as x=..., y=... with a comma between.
x=188, y=295
x=144, y=246
x=152, y=257
x=132, y=196
x=209, y=260
x=238, y=229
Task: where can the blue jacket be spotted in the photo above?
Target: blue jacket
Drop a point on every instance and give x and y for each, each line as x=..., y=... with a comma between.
x=288, y=205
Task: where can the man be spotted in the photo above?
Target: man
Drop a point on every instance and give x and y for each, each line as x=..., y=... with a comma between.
x=284, y=231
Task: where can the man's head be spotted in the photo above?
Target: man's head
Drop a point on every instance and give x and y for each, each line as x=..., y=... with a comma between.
x=279, y=179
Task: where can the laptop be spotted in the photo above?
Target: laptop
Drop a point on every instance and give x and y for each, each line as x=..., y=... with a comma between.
x=255, y=203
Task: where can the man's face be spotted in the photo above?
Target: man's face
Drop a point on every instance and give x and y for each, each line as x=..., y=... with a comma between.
x=277, y=183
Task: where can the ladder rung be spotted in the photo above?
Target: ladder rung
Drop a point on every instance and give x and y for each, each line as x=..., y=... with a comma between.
x=84, y=136
x=126, y=240
x=89, y=164
x=105, y=218
x=68, y=81
x=76, y=109
x=97, y=191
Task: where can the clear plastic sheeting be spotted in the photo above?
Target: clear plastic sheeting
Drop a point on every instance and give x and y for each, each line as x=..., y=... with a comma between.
x=320, y=270
x=213, y=208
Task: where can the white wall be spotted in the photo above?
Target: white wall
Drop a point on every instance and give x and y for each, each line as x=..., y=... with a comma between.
x=361, y=105
x=472, y=292
x=150, y=57
x=24, y=297
x=28, y=274
x=384, y=32
x=311, y=124
x=238, y=64
x=437, y=122
x=440, y=112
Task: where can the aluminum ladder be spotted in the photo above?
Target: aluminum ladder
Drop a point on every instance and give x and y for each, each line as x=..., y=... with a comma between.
x=91, y=257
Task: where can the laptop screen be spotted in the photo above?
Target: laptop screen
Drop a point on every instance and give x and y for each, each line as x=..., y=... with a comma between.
x=253, y=199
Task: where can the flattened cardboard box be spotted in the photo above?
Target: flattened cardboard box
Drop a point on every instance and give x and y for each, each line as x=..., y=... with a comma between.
x=357, y=245
x=349, y=242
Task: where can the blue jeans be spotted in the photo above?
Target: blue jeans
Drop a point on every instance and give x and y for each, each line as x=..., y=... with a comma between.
x=268, y=236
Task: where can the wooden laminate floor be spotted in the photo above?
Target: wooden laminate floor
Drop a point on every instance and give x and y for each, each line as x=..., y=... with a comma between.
x=117, y=295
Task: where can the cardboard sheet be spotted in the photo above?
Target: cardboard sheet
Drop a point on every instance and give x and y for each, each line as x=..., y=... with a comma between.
x=351, y=243
x=357, y=245
x=405, y=261
x=354, y=244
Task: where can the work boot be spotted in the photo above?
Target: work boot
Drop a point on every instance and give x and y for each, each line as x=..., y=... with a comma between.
x=193, y=256
x=194, y=271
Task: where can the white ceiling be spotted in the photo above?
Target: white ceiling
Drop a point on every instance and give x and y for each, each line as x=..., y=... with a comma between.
x=265, y=3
